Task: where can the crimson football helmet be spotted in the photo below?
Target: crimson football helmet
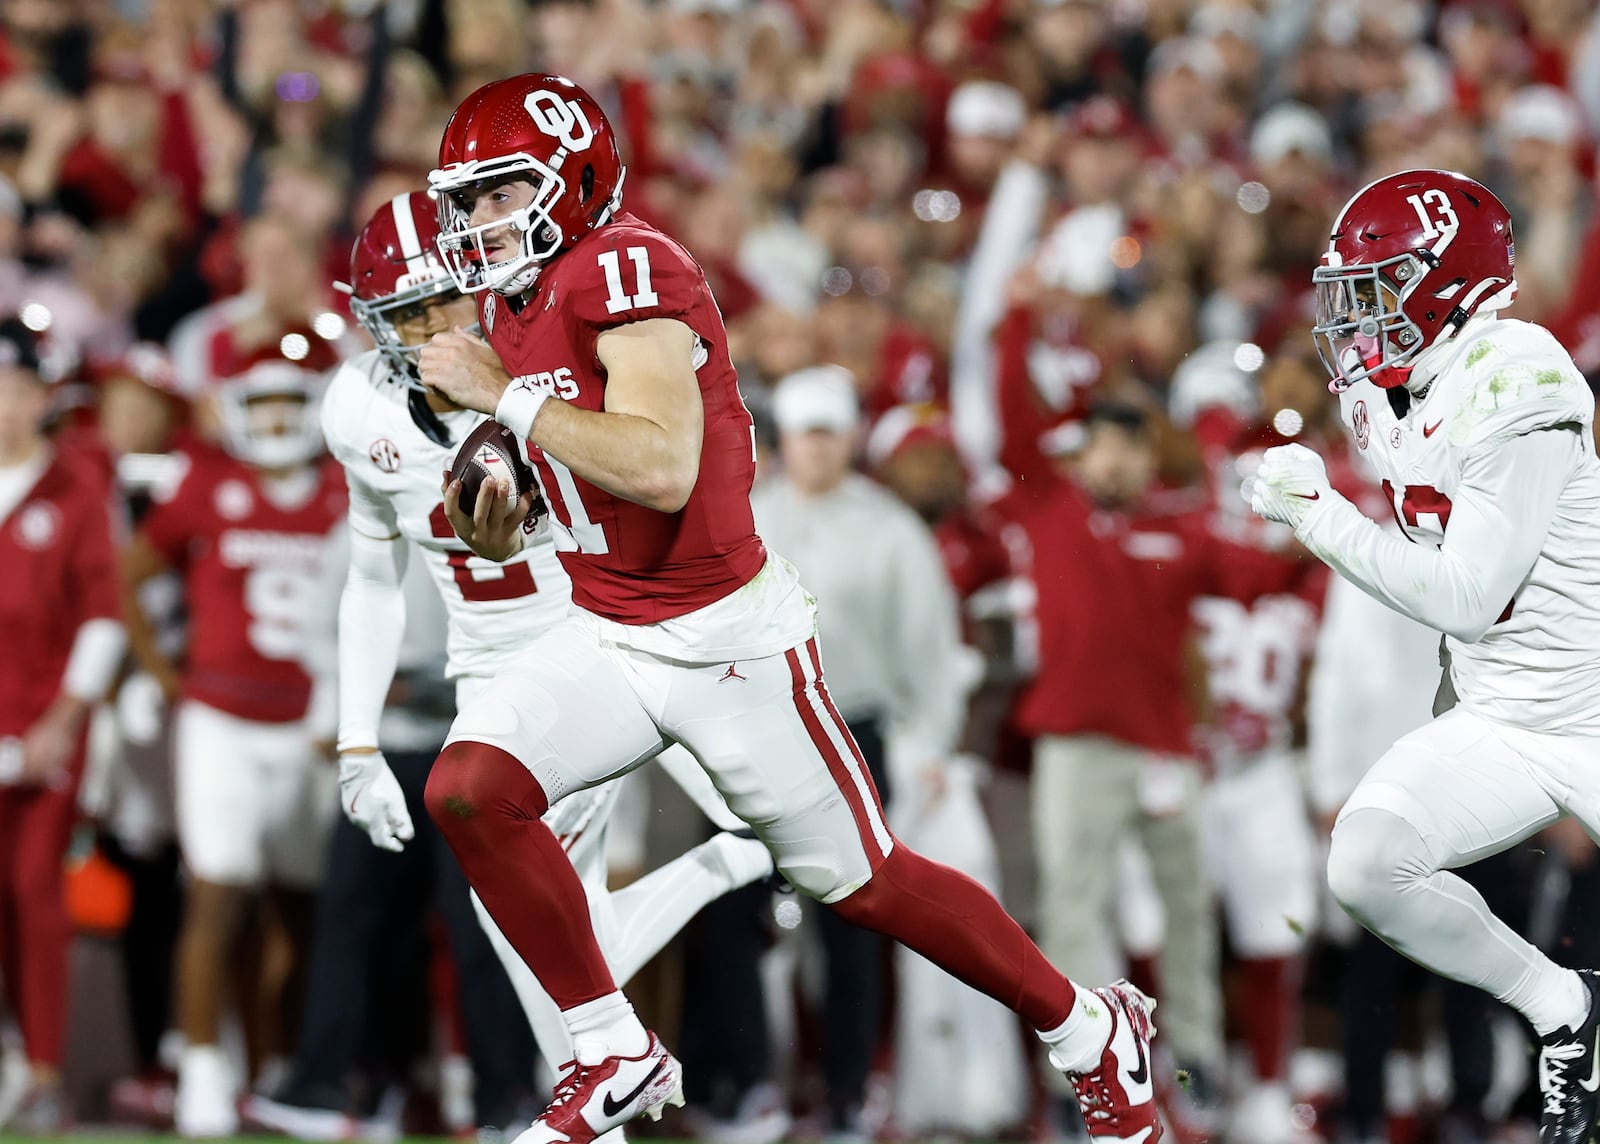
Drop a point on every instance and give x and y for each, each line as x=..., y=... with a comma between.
x=1411, y=258
x=395, y=270
x=541, y=129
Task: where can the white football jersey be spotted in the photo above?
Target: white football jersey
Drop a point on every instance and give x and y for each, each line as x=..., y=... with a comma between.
x=394, y=471
x=1538, y=666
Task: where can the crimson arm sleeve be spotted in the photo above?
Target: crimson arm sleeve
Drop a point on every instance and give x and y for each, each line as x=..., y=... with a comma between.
x=1499, y=518
x=1021, y=419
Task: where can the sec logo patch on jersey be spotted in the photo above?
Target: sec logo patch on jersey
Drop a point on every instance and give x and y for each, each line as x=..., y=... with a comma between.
x=385, y=455
x=1361, y=425
x=233, y=500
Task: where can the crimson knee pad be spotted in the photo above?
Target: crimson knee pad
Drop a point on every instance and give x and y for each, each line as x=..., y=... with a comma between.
x=474, y=782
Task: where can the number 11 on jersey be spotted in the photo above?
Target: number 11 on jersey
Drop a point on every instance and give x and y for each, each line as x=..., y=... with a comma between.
x=617, y=297
x=579, y=533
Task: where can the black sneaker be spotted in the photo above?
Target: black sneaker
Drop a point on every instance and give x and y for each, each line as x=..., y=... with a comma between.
x=1569, y=1076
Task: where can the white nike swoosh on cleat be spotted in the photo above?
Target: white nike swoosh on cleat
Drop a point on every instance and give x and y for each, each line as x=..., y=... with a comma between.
x=1591, y=1083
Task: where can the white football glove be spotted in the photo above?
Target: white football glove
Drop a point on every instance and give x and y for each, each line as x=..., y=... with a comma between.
x=1289, y=482
x=372, y=799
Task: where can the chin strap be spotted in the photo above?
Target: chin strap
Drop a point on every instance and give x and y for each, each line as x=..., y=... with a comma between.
x=426, y=419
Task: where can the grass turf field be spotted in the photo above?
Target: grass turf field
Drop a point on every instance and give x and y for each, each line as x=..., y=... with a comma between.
x=133, y=1136
x=112, y=1136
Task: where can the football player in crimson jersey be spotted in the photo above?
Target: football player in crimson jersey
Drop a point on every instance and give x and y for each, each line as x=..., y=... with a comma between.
x=1481, y=429
x=393, y=438
x=607, y=353
x=63, y=645
x=247, y=527
x=1260, y=838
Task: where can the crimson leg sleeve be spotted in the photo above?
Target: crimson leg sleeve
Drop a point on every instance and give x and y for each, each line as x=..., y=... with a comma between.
x=488, y=807
x=1273, y=986
x=960, y=927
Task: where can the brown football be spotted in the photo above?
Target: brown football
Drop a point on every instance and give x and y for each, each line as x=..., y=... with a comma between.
x=490, y=450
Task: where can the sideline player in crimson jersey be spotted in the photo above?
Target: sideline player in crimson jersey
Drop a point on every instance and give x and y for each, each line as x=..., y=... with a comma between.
x=1481, y=430
x=248, y=529
x=686, y=629
x=63, y=645
x=1260, y=837
x=393, y=438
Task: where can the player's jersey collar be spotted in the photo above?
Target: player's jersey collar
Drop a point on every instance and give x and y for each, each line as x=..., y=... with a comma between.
x=1432, y=362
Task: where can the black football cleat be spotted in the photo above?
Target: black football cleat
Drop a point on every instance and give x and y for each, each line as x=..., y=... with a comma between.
x=1569, y=1075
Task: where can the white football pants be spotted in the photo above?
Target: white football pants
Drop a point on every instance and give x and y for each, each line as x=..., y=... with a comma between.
x=634, y=923
x=1451, y=792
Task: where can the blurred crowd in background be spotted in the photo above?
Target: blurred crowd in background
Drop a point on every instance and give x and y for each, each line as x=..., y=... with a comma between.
x=1040, y=269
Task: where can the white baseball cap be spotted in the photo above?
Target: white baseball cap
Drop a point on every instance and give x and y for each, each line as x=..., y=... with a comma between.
x=1288, y=128
x=1539, y=111
x=987, y=109
x=819, y=397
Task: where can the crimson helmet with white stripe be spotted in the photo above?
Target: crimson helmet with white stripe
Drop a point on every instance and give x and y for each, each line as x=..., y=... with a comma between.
x=541, y=129
x=1412, y=257
x=395, y=268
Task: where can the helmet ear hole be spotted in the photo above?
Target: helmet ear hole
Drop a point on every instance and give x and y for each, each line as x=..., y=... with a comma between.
x=586, y=183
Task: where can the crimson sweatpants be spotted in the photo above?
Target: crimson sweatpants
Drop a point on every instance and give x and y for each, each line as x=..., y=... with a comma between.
x=35, y=828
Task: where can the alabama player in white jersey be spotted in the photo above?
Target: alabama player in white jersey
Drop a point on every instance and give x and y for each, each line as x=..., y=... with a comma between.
x=1481, y=430
x=394, y=439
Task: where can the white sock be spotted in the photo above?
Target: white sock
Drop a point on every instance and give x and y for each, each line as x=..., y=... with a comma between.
x=1550, y=997
x=1076, y=1044
x=609, y=1019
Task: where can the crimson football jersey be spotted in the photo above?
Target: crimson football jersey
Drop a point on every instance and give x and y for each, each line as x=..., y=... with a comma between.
x=60, y=571
x=1113, y=593
x=250, y=570
x=975, y=556
x=629, y=563
x=1257, y=652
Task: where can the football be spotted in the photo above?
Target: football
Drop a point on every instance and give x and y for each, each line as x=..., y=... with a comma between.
x=490, y=450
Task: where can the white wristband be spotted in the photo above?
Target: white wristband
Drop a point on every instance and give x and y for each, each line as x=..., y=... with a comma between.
x=92, y=664
x=518, y=408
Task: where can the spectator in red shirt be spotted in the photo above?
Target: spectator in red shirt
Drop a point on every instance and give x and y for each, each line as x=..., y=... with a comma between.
x=1112, y=710
x=912, y=450
x=63, y=643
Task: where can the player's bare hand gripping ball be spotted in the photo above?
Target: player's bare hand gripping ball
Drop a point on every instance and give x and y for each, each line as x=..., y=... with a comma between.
x=461, y=366
x=493, y=529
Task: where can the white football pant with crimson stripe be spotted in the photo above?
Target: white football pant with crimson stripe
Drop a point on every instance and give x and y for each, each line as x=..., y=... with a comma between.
x=577, y=710
x=634, y=923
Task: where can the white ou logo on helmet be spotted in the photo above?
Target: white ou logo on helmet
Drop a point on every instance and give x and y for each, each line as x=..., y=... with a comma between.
x=560, y=119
